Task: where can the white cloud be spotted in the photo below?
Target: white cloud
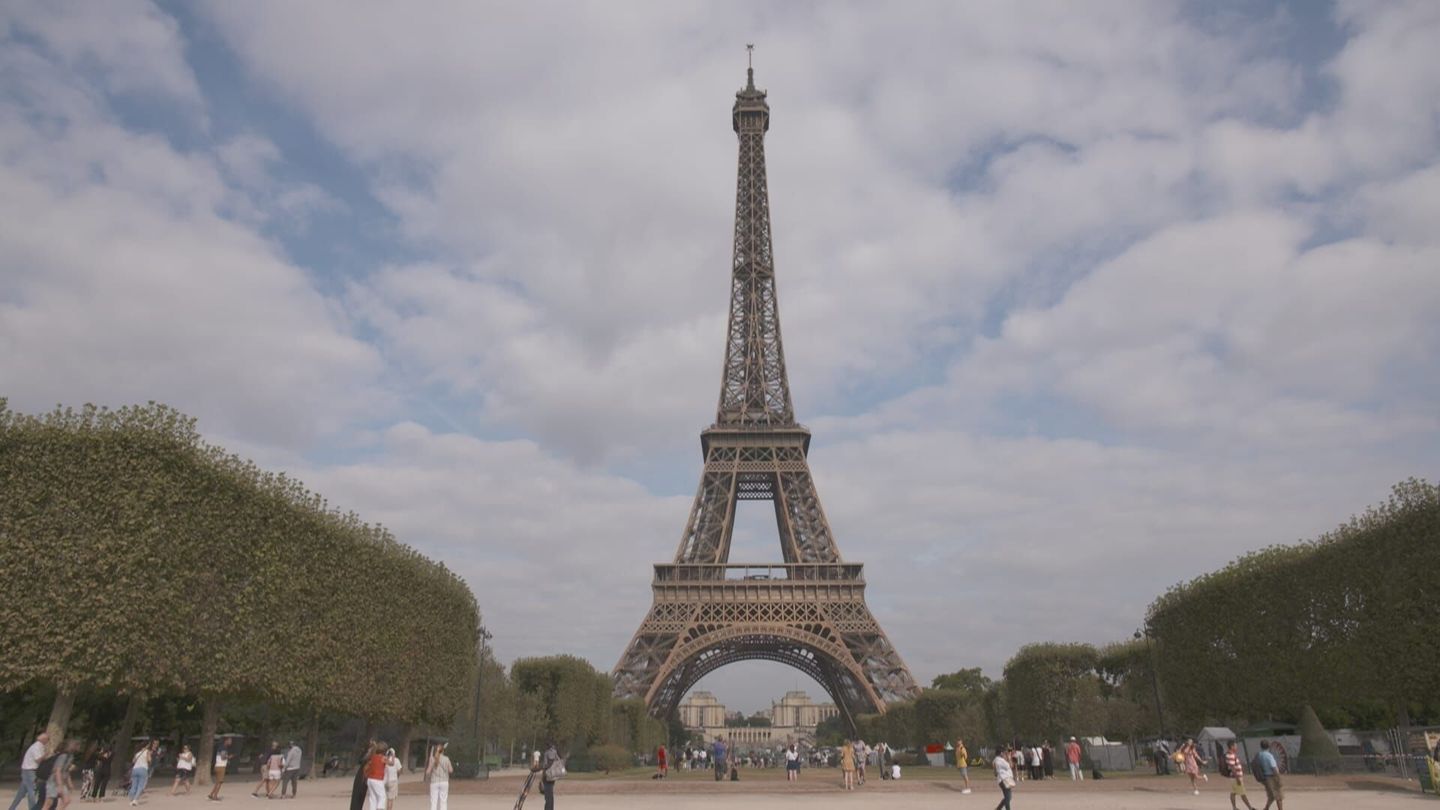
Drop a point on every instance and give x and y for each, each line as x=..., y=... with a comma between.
x=1080, y=302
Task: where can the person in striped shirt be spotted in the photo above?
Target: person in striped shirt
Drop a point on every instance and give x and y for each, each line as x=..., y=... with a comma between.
x=1237, y=776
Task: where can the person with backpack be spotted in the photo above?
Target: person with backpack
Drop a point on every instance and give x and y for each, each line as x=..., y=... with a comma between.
x=58, y=787
x=28, y=765
x=1237, y=776
x=1267, y=770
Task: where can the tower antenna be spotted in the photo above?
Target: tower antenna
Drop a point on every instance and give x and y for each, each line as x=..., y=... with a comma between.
x=750, y=55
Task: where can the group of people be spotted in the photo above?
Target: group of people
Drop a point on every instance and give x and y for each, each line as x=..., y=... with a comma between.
x=276, y=769
x=48, y=778
x=1013, y=761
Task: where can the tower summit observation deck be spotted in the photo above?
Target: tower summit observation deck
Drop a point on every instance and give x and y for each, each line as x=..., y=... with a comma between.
x=808, y=612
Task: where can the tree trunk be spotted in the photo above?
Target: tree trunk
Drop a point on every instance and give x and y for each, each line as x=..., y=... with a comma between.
x=369, y=734
x=60, y=716
x=205, y=751
x=312, y=742
x=121, y=743
x=407, y=735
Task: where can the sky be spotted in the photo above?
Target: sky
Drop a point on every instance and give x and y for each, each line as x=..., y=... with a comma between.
x=1081, y=300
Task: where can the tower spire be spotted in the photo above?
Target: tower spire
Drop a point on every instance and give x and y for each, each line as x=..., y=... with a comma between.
x=754, y=389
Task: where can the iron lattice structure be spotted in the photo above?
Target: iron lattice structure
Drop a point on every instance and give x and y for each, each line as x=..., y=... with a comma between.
x=808, y=612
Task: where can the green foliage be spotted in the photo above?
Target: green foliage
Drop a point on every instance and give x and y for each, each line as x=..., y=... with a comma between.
x=1315, y=742
x=943, y=715
x=611, y=757
x=1291, y=625
x=173, y=568
x=633, y=729
x=971, y=681
x=831, y=731
x=574, y=698
x=1045, y=684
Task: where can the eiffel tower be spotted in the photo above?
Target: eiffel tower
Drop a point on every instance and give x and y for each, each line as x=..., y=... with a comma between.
x=808, y=612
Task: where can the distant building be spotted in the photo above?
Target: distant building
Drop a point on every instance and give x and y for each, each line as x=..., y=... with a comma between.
x=793, y=718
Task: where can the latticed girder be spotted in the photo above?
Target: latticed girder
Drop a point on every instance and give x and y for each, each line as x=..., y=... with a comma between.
x=744, y=465
x=809, y=613
x=819, y=626
x=755, y=389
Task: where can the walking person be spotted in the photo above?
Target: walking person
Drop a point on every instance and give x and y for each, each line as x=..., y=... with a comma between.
x=662, y=764
x=222, y=761
x=861, y=752
x=792, y=763
x=1237, y=776
x=437, y=772
x=140, y=771
x=548, y=761
x=375, y=778
x=290, y=775
x=1004, y=776
x=87, y=774
x=184, y=770
x=1190, y=763
x=1072, y=759
x=103, y=762
x=1270, y=776
x=28, y=763
x=392, y=778
x=1048, y=752
x=58, y=787
x=847, y=764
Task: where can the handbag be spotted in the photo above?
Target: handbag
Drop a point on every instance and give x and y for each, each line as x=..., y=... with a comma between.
x=1008, y=783
x=555, y=770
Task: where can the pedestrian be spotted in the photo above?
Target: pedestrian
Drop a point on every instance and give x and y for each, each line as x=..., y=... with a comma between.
x=222, y=761
x=1237, y=776
x=1037, y=769
x=1048, y=755
x=1004, y=776
x=359, y=789
x=962, y=762
x=792, y=764
x=58, y=787
x=719, y=757
x=375, y=778
x=28, y=764
x=549, y=761
x=862, y=751
x=662, y=765
x=103, y=760
x=140, y=771
x=1270, y=776
x=290, y=774
x=1160, y=756
x=1072, y=759
x=274, y=769
x=437, y=772
x=184, y=770
x=847, y=764
x=392, y=778
x=1190, y=763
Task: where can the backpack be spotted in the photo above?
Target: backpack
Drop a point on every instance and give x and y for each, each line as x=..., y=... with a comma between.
x=1256, y=770
x=45, y=767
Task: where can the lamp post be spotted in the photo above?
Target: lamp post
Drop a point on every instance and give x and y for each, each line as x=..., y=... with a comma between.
x=481, y=636
x=1154, y=677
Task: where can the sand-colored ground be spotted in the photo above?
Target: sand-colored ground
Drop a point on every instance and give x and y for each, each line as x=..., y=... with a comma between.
x=817, y=789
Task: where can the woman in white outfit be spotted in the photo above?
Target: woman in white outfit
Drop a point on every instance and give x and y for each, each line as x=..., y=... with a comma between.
x=392, y=778
x=1004, y=777
x=437, y=771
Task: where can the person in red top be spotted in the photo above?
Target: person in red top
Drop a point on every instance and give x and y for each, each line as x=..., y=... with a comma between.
x=661, y=762
x=1072, y=758
x=375, y=779
x=1237, y=776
